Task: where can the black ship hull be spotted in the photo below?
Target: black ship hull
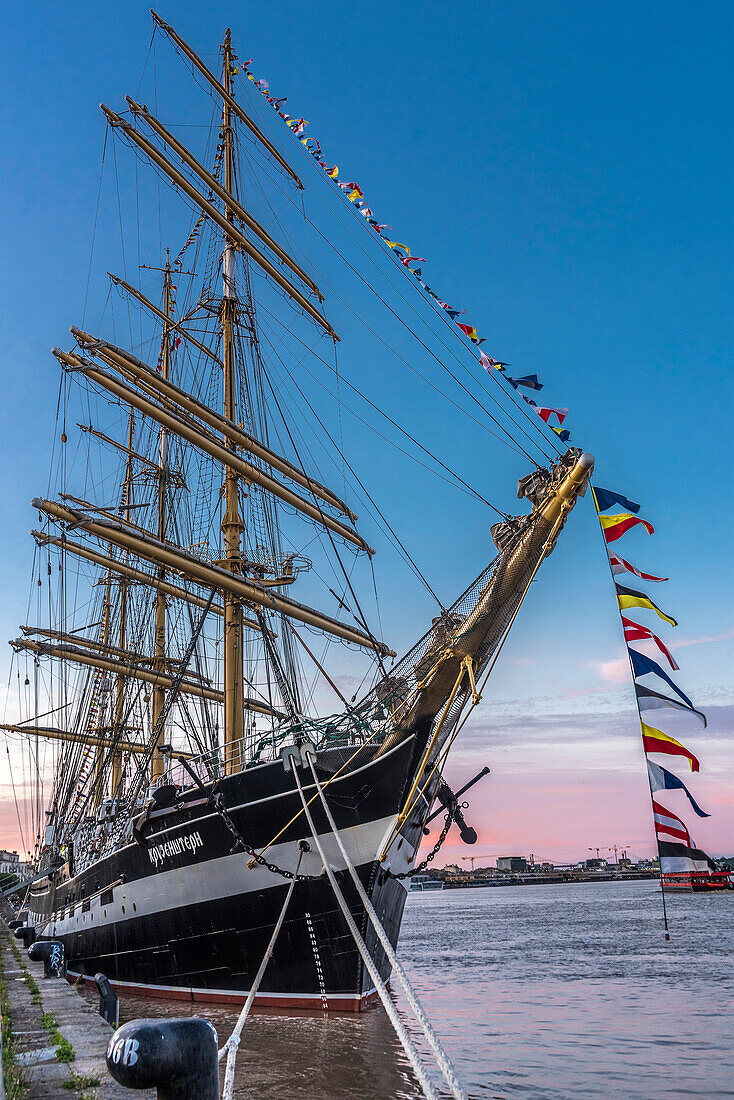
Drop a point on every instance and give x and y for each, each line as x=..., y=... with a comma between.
x=185, y=917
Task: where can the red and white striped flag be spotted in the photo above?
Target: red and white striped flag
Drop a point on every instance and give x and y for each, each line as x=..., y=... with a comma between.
x=667, y=824
x=619, y=565
x=634, y=632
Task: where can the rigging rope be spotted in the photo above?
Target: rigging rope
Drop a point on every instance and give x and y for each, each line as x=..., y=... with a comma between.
x=515, y=407
x=509, y=441
x=390, y=529
x=400, y=1030
x=340, y=378
x=94, y=226
x=442, y=1058
x=231, y=1046
x=347, y=578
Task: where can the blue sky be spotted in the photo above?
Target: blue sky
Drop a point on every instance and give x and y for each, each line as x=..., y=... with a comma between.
x=567, y=170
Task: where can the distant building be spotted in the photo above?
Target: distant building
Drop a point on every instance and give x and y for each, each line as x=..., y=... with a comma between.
x=512, y=863
x=595, y=864
x=10, y=864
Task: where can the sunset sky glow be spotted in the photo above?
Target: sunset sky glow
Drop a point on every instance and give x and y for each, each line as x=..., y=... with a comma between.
x=568, y=170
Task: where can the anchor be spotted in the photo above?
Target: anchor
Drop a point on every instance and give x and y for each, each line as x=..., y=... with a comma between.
x=450, y=803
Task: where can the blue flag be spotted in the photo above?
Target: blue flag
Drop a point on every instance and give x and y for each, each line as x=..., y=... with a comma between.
x=641, y=665
x=530, y=381
x=605, y=498
x=663, y=780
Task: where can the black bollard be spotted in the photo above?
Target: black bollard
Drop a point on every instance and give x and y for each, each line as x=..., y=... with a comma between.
x=26, y=933
x=51, y=954
x=13, y=924
x=109, y=1006
x=177, y=1057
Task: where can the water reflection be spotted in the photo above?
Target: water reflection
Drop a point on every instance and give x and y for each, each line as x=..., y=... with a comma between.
x=303, y=1054
x=554, y=992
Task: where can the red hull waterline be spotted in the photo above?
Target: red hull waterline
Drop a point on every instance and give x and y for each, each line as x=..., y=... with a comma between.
x=329, y=1002
x=697, y=881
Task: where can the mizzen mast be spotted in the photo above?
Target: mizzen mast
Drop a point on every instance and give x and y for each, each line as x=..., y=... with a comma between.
x=232, y=525
x=116, y=776
x=159, y=694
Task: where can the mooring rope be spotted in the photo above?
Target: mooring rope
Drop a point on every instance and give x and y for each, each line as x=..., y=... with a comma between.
x=407, y=1043
x=442, y=1058
x=231, y=1046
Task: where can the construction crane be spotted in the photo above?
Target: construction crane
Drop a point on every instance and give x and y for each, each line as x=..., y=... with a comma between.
x=623, y=848
x=470, y=859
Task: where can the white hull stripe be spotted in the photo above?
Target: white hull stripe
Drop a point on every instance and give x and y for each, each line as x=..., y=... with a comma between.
x=224, y=877
x=307, y=787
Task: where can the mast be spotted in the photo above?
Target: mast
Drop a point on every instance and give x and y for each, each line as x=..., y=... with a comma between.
x=99, y=755
x=159, y=695
x=224, y=223
x=232, y=525
x=249, y=589
x=225, y=90
x=122, y=637
x=246, y=463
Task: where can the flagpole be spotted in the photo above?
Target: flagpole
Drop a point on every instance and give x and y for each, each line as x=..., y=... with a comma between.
x=639, y=715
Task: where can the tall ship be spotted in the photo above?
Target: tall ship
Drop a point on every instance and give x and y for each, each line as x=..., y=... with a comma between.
x=201, y=592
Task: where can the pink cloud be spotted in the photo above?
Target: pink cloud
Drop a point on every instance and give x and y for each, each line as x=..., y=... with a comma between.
x=725, y=637
x=617, y=670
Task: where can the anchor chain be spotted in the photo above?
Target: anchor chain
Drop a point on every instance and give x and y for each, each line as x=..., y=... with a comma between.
x=431, y=855
x=240, y=845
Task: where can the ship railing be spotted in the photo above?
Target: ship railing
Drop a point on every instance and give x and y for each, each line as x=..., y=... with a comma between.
x=223, y=760
x=258, y=748
x=94, y=839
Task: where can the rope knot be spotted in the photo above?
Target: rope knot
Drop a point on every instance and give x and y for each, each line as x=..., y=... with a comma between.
x=231, y=1044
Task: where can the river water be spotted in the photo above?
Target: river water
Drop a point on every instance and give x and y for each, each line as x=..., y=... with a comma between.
x=536, y=991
